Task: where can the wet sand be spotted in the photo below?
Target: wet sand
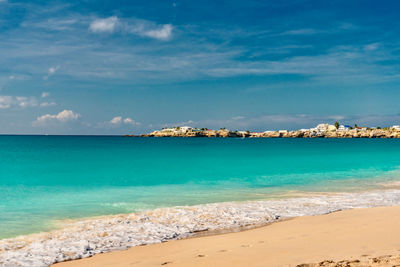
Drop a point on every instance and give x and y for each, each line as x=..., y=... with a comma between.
x=362, y=237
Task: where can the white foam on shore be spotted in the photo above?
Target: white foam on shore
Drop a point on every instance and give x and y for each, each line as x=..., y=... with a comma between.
x=87, y=237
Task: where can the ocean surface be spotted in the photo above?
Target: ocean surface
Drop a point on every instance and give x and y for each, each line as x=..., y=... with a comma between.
x=45, y=180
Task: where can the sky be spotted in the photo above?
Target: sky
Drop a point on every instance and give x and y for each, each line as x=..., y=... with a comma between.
x=129, y=67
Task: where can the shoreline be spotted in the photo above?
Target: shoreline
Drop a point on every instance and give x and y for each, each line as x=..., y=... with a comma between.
x=320, y=131
x=358, y=237
x=88, y=237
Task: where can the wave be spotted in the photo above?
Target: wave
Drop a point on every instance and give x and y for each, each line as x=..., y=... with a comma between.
x=84, y=238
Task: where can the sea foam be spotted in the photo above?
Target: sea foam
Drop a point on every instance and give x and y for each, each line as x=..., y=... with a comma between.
x=84, y=238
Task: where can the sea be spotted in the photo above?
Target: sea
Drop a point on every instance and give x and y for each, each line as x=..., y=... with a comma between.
x=45, y=180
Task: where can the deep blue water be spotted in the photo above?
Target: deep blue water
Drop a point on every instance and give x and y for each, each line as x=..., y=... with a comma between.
x=48, y=178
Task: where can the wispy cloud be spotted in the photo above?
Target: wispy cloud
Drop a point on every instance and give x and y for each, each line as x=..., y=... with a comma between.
x=53, y=24
x=104, y=25
x=47, y=104
x=17, y=101
x=336, y=28
x=351, y=63
x=143, y=28
x=187, y=58
x=162, y=33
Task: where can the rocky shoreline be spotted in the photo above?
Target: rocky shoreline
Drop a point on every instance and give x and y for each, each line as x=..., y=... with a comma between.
x=324, y=131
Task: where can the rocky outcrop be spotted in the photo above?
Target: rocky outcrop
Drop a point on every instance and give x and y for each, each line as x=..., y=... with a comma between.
x=308, y=133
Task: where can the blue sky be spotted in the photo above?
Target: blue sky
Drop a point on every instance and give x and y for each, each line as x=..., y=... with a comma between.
x=116, y=67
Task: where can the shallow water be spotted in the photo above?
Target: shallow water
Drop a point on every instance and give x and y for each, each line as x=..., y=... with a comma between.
x=44, y=179
x=87, y=237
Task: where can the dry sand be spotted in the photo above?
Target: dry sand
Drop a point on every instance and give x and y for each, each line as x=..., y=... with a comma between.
x=363, y=235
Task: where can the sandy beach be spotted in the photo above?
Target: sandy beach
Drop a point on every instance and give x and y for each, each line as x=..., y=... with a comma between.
x=357, y=237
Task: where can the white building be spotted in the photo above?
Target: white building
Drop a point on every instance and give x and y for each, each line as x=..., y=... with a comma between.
x=185, y=129
x=344, y=128
x=396, y=127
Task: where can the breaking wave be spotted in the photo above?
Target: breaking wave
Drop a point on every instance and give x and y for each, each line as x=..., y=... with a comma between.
x=84, y=238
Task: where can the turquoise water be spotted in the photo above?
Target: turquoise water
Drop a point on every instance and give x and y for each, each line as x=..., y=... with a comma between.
x=44, y=179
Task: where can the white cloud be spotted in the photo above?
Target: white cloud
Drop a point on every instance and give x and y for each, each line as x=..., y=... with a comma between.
x=104, y=25
x=51, y=71
x=63, y=116
x=149, y=29
x=119, y=120
x=116, y=120
x=17, y=101
x=163, y=33
x=131, y=122
x=11, y=77
x=67, y=115
x=45, y=94
x=142, y=28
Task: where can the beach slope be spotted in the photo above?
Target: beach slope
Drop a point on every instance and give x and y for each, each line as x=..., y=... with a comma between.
x=362, y=237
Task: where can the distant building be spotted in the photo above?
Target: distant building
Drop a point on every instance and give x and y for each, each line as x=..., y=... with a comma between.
x=185, y=129
x=344, y=128
x=396, y=127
